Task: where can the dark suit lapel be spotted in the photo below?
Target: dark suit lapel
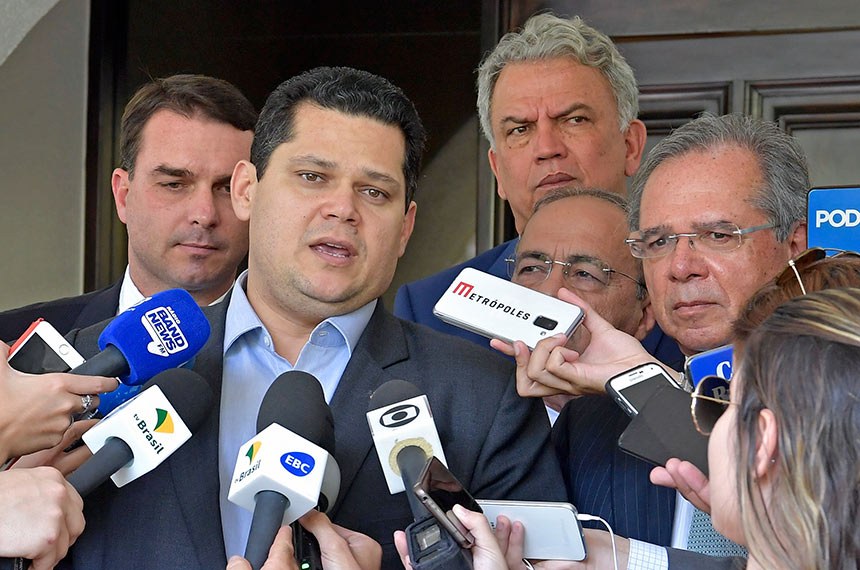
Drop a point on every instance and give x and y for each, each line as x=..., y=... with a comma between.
x=197, y=484
x=103, y=305
x=381, y=345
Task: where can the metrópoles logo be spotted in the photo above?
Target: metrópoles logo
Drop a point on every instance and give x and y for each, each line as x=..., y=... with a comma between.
x=467, y=290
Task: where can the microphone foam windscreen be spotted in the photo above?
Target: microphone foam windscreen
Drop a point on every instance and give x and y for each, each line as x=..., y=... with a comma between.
x=188, y=393
x=161, y=332
x=296, y=401
x=392, y=392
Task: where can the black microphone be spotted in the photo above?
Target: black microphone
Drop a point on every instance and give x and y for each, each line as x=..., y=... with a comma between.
x=288, y=468
x=137, y=438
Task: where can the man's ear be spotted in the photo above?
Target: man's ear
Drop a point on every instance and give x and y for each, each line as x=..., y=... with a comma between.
x=119, y=186
x=646, y=321
x=243, y=186
x=797, y=239
x=408, y=226
x=634, y=139
x=491, y=156
x=766, y=446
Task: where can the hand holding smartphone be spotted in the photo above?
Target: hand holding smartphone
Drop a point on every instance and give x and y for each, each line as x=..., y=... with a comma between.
x=439, y=491
x=553, y=531
x=497, y=308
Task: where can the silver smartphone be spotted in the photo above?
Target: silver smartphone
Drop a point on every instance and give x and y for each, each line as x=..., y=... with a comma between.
x=41, y=349
x=497, y=308
x=552, y=530
x=439, y=491
x=631, y=389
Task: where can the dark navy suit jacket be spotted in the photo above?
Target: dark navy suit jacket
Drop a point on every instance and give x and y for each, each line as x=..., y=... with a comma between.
x=496, y=443
x=602, y=480
x=65, y=314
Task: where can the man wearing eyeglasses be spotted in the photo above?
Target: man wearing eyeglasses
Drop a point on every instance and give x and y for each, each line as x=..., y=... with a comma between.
x=574, y=239
x=717, y=210
x=558, y=105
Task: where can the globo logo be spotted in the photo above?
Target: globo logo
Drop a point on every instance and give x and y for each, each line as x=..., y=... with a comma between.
x=298, y=463
x=848, y=218
x=399, y=415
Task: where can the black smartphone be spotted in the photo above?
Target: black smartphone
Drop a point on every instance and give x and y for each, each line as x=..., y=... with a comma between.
x=439, y=491
x=306, y=548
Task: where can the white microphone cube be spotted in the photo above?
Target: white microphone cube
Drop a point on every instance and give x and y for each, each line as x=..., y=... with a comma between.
x=278, y=460
x=404, y=423
x=149, y=425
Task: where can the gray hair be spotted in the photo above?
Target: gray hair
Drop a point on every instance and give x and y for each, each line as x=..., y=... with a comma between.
x=782, y=162
x=546, y=36
x=609, y=197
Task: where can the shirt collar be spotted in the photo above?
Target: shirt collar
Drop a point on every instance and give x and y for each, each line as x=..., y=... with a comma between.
x=241, y=319
x=130, y=295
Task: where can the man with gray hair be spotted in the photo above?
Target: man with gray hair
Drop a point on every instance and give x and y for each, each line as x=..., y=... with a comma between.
x=717, y=210
x=558, y=104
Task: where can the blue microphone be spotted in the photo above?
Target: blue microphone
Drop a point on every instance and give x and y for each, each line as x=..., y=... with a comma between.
x=163, y=331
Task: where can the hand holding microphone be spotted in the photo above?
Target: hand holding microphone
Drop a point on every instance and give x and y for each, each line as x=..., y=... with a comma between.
x=341, y=549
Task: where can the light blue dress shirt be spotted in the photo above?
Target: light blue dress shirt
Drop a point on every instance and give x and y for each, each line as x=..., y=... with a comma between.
x=250, y=366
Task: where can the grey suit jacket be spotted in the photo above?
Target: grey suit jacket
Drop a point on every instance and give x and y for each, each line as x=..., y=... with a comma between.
x=496, y=443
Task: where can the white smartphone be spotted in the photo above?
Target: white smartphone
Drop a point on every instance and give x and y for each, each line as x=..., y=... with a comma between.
x=631, y=389
x=497, y=308
x=552, y=530
x=42, y=349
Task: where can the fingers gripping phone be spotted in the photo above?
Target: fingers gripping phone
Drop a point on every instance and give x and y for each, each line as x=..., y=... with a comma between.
x=41, y=349
x=439, y=491
x=496, y=308
x=553, y=531
x=631, y=389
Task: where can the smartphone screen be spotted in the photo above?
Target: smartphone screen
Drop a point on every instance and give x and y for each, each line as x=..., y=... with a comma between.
x=633, y=388
x=439, y=490
x=43, y=350
x=445, y=490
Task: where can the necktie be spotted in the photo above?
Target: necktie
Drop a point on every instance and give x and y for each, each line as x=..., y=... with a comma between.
x=704, y=539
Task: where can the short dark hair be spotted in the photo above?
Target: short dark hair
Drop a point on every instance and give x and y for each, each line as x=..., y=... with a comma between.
x=347, y=90
x=186, y=95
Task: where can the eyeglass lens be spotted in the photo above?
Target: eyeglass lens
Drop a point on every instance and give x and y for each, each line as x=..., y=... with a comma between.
x=706, y=412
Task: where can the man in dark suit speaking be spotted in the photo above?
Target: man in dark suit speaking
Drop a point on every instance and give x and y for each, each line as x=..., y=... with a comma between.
x=180, y=138
x=328, y=194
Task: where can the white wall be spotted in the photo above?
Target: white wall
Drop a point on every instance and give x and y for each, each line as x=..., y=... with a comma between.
x=43, y=86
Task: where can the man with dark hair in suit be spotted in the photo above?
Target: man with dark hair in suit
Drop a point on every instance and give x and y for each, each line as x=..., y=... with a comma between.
x=328, y=195
x=558, y=104
x=180, y=138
